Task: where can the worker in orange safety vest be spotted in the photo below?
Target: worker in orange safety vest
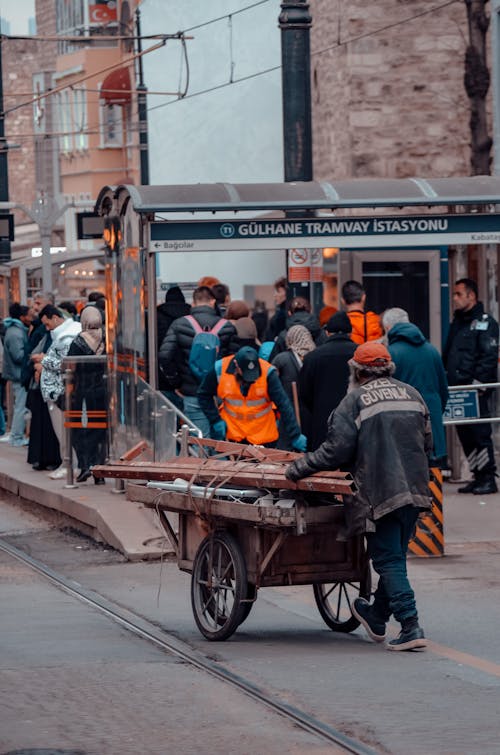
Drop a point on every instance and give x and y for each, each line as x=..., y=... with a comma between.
x=248, y=392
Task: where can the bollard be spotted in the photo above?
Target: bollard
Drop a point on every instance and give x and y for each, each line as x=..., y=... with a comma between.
x=428, y=539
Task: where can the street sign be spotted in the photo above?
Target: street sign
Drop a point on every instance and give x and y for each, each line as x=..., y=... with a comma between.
x=462, y=405
x=306, y=233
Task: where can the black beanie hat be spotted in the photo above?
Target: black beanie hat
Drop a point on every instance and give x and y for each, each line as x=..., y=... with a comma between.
x=174, y=294
x=339, y=323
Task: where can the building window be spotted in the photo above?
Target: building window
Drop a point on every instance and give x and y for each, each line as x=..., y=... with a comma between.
x=64, y=121
x=85, y=18
x=111, y=118
x=81, y=139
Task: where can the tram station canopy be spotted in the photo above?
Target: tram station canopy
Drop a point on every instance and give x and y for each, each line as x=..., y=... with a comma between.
x=311, y=195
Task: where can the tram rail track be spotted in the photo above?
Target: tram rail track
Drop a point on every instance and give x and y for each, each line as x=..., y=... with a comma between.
x=160, y=638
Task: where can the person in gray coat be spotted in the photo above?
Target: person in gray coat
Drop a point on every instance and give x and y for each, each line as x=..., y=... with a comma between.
x=16, y=338
x=380, y=432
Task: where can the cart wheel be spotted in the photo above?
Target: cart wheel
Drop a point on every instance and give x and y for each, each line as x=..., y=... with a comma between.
x=334, y=601
x=251, y=597
x=218, y=585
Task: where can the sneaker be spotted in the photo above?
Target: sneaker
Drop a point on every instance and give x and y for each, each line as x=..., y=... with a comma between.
x=362, y=610
x=58, y=473
x=409, y=639
x=5, y=438
x=469, y=488
x=19, y=443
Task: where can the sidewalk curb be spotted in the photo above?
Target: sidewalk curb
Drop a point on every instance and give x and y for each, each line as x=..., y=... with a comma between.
x=125, y=525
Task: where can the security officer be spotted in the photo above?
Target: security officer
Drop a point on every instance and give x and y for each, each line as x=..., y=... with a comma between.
x=471, y=356
x=248, y=390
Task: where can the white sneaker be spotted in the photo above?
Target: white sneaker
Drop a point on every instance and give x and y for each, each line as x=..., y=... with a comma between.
x=5, y=438
x=58, y=473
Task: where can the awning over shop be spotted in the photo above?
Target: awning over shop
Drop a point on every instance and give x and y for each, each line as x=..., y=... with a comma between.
x=116, y=87
x=311, y=195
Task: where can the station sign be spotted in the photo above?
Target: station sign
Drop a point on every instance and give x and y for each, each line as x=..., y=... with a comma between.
x=89, y=225
x=462, y=405
x=344, y=232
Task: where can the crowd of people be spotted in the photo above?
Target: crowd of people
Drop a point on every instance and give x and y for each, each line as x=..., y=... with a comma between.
x=35, y=340
x=301, y=366
x=348, y=389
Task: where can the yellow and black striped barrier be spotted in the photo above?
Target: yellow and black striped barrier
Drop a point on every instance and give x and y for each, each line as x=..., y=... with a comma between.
x=428, y=539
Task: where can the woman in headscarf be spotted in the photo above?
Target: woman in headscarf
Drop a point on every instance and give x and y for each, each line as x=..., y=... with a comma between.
x=299, y=342
x=89, y=395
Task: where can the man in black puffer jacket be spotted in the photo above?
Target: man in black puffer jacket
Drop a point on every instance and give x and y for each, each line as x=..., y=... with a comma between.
x=176, y=346
x=471, y=356
x=381, y=432
x=174, y=306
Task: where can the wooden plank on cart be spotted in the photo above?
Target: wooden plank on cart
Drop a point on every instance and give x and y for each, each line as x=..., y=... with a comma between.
x=214, y=471
x=268, y=516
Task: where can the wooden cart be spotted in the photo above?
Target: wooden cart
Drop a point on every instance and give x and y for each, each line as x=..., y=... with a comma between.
x=243, y=525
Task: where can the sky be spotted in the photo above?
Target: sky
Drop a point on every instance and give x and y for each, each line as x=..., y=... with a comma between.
x=17, y=12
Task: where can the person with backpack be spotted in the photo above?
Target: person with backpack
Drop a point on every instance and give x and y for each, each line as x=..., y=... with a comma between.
x=191, y=347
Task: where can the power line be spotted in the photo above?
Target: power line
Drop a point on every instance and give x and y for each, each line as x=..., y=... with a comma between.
x=338, y=44
x=227, y=15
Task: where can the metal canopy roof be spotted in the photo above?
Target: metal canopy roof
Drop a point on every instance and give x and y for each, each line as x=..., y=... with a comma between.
x=313, y=195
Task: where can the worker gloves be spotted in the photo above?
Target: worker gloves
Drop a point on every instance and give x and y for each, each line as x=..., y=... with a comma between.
x=218, y=430
x=300, y=444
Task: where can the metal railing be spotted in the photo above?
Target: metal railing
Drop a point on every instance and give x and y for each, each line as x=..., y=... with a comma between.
x=460, y=417
x=131, y=410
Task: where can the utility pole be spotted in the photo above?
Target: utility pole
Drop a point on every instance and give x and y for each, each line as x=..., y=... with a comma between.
x=295, y=23
x=142, y=107
x=4, y=168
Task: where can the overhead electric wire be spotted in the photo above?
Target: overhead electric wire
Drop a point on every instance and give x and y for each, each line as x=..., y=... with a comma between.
x=341, y=43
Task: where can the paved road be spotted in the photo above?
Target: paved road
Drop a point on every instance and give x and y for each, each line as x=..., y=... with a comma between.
x=442, y=701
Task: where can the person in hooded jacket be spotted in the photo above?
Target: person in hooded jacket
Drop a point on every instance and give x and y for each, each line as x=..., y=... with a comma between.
x=299, y=313
x=15, y=340
x=325, y=376
x=174, y=306
x=471, y=356
x=419, y=363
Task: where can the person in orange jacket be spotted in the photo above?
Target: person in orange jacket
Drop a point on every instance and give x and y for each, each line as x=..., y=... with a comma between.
x=365, y=325
x=248, y=390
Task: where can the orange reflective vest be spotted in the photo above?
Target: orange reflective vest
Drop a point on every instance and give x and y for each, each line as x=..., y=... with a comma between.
x=249, y=417
x=365, y=326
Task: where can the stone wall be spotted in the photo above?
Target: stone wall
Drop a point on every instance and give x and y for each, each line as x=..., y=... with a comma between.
x=388, y=93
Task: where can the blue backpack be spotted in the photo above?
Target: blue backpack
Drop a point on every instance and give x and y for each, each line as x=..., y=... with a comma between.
x=204, y=348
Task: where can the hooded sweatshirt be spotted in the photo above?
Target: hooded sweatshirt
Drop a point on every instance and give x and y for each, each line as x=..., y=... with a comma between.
x=418, y=363
x=15, y=340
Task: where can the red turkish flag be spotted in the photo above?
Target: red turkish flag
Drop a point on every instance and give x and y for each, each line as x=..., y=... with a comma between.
x=102, y=12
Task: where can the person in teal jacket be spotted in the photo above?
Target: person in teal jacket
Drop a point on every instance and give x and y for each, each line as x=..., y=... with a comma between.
x=419, y=363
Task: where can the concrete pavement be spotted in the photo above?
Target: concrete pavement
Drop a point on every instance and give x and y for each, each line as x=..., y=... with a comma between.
x=93, y=509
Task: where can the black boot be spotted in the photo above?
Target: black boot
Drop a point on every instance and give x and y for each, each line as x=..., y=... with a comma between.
x=468, y=488
x=485, y=486
x=411, y=636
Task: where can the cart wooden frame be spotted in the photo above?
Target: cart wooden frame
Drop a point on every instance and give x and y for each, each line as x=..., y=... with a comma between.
x=232, y=549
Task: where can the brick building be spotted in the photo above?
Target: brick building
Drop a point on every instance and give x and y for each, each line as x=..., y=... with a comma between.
x=388, y=95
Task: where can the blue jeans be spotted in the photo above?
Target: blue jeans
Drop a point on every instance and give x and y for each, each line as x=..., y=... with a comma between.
x=387, y=548
x=18, y=421
x=194, y=412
